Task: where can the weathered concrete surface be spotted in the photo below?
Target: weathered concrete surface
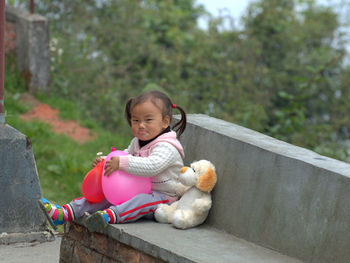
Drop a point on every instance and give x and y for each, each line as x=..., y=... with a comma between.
x=32, y=47
x=31, y=252
x=20, y=218
x=27, y=237
x=201, y=244
x=272, y=193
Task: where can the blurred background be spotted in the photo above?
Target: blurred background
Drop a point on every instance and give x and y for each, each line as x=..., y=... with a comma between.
x=280, y=67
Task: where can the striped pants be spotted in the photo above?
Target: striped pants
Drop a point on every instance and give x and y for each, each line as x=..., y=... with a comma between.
x=140, y=206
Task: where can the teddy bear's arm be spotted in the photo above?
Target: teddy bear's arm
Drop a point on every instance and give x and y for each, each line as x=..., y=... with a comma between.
x=180, y=189
x=203, y=204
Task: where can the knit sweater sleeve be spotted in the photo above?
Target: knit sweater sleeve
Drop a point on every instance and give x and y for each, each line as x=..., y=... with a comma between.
x=163, y=155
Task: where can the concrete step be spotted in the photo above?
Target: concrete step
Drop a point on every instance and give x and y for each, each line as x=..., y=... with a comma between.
x=202, y=244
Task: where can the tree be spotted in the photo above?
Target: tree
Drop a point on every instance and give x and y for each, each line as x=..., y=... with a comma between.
x=283, y=74
x=304, y=67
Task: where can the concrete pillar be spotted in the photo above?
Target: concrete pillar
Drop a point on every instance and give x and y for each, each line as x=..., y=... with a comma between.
x=32, y=47
x=21, y=219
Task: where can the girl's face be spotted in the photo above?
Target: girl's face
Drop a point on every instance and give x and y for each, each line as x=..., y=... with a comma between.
x=147, y=120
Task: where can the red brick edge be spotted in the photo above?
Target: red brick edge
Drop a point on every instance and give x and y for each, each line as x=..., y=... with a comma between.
x=10, y=37
x=80, y=245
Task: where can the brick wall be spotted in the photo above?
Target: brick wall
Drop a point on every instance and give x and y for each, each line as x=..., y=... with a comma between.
x=80, y=245
x=10, y=37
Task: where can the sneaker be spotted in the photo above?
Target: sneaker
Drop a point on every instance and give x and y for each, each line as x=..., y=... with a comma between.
x=97, y=222
x=48, y=209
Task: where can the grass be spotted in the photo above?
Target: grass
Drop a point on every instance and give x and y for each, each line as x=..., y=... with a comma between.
x=61, y=162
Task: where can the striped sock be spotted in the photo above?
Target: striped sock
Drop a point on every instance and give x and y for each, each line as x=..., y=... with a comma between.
x=112, y=219
x=70, y=214
x=58, y=214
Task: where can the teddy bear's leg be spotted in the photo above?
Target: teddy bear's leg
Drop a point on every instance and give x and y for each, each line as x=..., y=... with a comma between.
x=202, y=205
x=184, y=219
x=164, y=212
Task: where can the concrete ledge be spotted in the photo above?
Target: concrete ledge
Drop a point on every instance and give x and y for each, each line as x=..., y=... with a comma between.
x=43, y=236
x=162, y=242
x=272, y=193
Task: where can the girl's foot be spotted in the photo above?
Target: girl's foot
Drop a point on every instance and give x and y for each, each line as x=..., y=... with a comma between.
x=98, y=221
x=53, y=213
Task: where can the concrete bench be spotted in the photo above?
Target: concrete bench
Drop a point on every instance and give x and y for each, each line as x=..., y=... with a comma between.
x=274, y=202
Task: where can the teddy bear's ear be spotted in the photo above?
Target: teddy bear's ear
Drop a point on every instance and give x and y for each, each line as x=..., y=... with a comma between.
x=183, y=169
x=207, y=181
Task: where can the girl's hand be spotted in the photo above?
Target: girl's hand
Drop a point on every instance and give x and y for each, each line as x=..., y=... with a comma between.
x=111, y=165
x=96, y=161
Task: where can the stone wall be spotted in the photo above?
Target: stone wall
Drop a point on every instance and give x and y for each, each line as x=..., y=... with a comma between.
x=21, y=219
x=27, y=35
x=80, y=245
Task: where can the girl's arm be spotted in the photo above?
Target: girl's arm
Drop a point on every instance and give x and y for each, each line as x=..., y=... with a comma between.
x=113, y=164
x=162, y=156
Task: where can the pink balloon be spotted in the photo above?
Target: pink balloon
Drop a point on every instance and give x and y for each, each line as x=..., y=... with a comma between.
x=92, y=184
x=121, y=186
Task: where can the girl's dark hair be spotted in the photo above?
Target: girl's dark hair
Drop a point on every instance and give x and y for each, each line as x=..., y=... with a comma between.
x=167, y=108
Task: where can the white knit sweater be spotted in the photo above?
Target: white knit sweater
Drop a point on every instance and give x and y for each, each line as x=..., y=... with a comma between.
x=161, y=159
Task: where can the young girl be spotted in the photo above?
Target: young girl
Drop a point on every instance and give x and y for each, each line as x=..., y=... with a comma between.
x=154, y=152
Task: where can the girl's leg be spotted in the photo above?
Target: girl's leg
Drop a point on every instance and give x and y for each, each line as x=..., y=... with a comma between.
x=80, y=206
x=57, y=215
x=142, y=205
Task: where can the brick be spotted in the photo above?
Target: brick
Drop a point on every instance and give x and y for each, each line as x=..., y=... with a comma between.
x=100, y=243
x=124, y=253
x=109, y=260
x=66, y=249
x=149, y=259
x=83, y=254
x=82, y=246
x=10, y=37
x=78, y=233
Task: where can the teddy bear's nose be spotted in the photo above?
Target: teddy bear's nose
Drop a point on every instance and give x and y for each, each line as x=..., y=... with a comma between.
x=183, y=169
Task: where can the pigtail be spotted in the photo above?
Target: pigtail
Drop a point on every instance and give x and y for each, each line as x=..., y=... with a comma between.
x=180, y=126
x=128, y=110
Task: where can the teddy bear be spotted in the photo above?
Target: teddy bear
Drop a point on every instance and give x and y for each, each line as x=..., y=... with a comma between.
x=193, y=207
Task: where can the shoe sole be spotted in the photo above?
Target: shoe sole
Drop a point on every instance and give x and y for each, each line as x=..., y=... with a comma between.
x=96, y=223
x=42, y=207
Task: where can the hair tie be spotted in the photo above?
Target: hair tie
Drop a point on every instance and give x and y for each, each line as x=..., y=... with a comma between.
x=174, y=106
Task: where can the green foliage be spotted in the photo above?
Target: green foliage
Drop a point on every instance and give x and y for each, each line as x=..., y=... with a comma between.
x=14, y=85
x=61, y=162
x=304, y=73
x=282, y=74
